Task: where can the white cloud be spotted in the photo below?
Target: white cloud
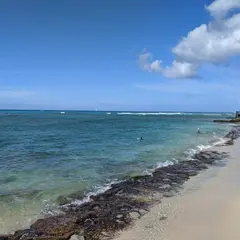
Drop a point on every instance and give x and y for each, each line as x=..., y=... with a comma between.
x=206, y=44
x=177, y=70
x=219, y=8
x=146, y=63
x=180, y=70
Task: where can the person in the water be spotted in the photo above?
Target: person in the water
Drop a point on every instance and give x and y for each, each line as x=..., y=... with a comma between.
x=198, y=130
x=140, y=139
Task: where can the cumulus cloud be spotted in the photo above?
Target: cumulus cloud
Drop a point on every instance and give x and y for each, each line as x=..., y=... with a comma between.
x=207, y=44
x=219, y=8
x=177, y=70
x=146, y=63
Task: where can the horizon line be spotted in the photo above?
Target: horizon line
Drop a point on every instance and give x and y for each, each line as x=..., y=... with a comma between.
x=141, y=111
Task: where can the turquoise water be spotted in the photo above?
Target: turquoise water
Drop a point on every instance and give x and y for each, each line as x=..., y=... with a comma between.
x=44, y=154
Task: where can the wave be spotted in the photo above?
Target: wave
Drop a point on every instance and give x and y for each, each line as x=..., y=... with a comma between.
x=192, y=151
x=152, y=113
x=217, y=114
x=166, y=163
x=220, y=141
x=188, y=155
x=215, y=142
x=51, y=208
x=174, y=113
x=212, y=114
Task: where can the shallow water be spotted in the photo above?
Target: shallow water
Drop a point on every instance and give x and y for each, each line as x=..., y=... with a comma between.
x=45, y=154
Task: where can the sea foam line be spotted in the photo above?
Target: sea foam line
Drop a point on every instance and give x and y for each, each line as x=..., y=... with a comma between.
x=173, y=113
x=151, y=113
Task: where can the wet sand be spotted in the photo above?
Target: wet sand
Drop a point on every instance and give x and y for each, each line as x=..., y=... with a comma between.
x=207, y=208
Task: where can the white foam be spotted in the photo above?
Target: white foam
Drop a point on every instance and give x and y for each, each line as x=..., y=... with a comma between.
x=165, y=164
x=212, y=114
x=192, y=151
x=50, y=209
x=147, y=172
x=151, y=113
x=220, y=141
x=173, y=113
x=203, y=147
x=99, y=190
x=216, y=141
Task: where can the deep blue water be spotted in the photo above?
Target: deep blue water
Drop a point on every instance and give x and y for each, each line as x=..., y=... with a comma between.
x=44, y=154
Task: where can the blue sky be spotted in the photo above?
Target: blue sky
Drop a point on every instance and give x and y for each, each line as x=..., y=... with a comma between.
x=120, y=55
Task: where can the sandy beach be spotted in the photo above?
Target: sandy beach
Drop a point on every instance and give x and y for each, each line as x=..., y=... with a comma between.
x=208, y=207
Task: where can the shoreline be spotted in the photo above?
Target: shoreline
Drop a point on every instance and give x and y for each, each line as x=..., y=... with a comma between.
x=118, y=207
x=207, y=208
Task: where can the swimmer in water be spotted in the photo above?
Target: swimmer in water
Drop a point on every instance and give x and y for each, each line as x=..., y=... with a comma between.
x=140, y=139
x=198, y=130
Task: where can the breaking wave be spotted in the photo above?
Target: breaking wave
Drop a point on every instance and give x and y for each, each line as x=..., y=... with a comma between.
x=188, y=155
x=173, y=113
x=151, y=113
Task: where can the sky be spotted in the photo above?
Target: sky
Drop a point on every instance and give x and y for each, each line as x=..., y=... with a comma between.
x=147, y=55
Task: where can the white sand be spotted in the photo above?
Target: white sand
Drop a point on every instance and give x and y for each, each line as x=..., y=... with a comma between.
x=208, y=208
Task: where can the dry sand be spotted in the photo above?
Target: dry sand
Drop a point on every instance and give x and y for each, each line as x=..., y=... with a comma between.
x=208, y=207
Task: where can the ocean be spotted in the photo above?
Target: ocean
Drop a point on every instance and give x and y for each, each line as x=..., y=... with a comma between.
x=47, y=154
